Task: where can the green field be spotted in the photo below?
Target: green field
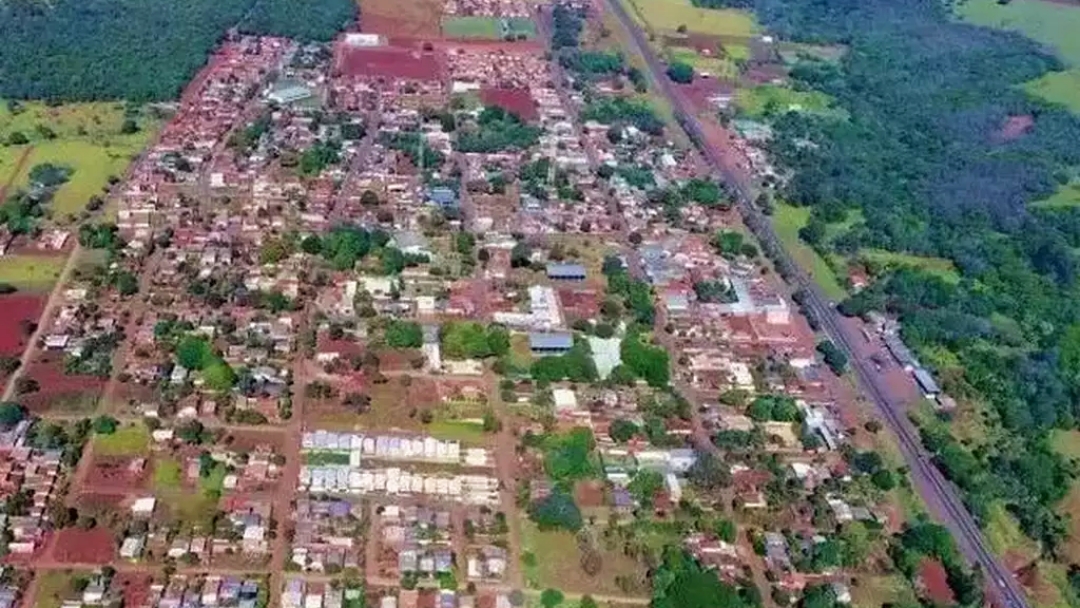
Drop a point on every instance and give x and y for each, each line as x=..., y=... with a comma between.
x=168, y=475
x=468, y=433
x=759, y=101
x=131, y=440
x=1058, y=87
x=1066, y=196
x=55, y=586
x=326, y=458
x=86, y=137
x=720, y=68
x=1050, y=23
x=665, y=16
x=939, y=266
x=489, y=28
x=787, y=220
x=31, y=272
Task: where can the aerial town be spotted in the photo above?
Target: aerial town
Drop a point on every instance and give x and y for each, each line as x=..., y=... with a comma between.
x=499, y=304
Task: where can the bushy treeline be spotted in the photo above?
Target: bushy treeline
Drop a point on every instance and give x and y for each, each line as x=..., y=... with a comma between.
x=939, y=158
x=77, y=50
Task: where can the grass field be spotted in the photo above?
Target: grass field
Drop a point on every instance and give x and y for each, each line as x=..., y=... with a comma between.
x=86, y=137
x=488, y=28
x=168, y=475
x=761, y=100
x=938, y=266
x=1005, y=536
x=31, y=272
x=1059, y=87
x=1066, y=196
x=787, y=220
x=554, y=563
x=883, y=590
x=720, y=68
x=55, y=586
x=664, y=16
x=1051, y=23
x=467, y=432
x=1066, y=443
x=131, y=440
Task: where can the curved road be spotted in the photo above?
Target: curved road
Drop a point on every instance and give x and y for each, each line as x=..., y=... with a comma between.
x=940, y=495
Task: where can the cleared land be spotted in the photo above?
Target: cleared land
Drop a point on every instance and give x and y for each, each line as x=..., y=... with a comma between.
x=1059, y=87
x=663, y=16
x=403, y=18
x=31, y=272
x=488, y=28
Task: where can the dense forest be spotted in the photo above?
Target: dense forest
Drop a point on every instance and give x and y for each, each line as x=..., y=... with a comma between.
x=941, y=154
x=76, y=50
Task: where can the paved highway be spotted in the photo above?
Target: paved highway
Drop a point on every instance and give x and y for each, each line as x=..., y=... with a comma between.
x=940, y=495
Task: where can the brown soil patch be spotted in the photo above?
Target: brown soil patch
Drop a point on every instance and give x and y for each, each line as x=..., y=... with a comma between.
x=119, y=474
x=75, y=546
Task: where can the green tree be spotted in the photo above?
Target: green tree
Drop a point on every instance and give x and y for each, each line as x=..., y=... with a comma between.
x=550, y=598
x=681, y=72
x=105, y=425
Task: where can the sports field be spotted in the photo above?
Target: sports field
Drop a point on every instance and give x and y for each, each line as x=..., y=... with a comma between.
x=666, y=16
x=489, y=28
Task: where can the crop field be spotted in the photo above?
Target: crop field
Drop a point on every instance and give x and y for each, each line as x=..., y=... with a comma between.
x=663, y=16
x=488, y=28
x=36, y=273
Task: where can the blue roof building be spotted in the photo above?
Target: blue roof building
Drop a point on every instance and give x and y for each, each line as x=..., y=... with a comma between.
x=550, y=343
x=566, y=272
x=443, y=197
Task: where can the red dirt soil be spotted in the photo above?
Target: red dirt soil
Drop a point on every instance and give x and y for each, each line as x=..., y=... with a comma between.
x=55, y=384
x=114, y=473
x=1015, y=127
x=14, y=309
x=389, y=62
x=518, y=101
x=76, y=546
x=134, y=586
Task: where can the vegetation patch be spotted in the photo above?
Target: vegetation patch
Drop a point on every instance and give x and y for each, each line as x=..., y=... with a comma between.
x=675, y=15
x=788, y=220
x=31, y=272
x=130, y=440
x=1058, y=87
x=1051, y=23
x=773, y=100
x=889, y=260
x=1066, y=196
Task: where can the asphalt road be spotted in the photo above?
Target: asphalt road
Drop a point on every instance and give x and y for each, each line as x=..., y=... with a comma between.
x=939, y=494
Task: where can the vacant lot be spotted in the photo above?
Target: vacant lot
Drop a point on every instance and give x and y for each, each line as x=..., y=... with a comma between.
x=665, y=16
x=551, y=559
x=55, y=586
x=130, y=440
x=78, y=546
x=31, y=272
x=16, y=310
x=403, y=18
